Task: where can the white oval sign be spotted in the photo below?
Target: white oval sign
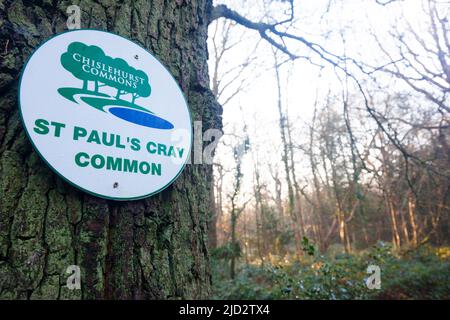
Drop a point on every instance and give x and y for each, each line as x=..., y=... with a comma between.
x=105, y=114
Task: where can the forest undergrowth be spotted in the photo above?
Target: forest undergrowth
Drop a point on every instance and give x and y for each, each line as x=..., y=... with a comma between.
x=422, y=273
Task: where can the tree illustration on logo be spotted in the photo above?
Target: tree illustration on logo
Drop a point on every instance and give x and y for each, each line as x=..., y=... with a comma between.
x=89, y=63
x=76, y=67
x=143, y=88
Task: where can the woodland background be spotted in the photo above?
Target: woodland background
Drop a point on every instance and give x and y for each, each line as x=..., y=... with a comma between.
x=351, y=164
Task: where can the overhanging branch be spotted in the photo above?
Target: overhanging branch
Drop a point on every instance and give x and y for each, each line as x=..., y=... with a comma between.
x=270, y=33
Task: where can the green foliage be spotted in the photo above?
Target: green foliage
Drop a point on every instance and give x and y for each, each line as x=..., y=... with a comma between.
x=420, y=274
x=307, y=247
x=227, y=251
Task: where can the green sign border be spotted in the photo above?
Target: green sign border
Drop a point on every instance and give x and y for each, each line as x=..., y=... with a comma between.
x=61, y=175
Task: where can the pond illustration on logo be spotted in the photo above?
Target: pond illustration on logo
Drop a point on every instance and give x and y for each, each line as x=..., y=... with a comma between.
x=94, y=68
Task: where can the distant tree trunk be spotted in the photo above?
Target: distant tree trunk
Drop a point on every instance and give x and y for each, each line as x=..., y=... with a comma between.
x=343, y=231
x=279, y=246
x=212, y=221
x=152, y=248
x=278, y=200
x=259, y=216
x=238, y=151
x=233, y=221
x=217, y=213
x=412, y=219
x=259, y=210
x=394, y=224
x=245, y=239
x=404, y=226
x=285, y=160
x=318, y=196
x=388, y=197
x=258, y=233
x=298, y=203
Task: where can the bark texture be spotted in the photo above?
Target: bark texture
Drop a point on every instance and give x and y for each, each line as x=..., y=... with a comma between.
x=152, y=248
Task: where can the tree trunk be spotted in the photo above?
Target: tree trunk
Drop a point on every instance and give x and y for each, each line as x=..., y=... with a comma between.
x=233, y=243
x=412, y=219
x=152, y=248
x=394, y=223
x=285, y=160
x=317, y=190
x=298, y=203
x=212, y=221
x=404, y=226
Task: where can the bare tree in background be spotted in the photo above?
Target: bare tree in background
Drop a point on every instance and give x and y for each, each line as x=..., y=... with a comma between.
x=239, y=150
x=227, y=81
x=371, y=175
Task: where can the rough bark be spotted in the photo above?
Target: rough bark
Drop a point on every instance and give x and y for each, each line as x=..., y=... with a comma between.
x=152, y=248
x=285, y=159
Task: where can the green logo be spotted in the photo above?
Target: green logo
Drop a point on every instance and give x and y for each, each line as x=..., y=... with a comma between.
x=125, y=85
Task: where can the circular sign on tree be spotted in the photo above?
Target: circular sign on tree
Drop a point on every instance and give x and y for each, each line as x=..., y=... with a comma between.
x=105, y=114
